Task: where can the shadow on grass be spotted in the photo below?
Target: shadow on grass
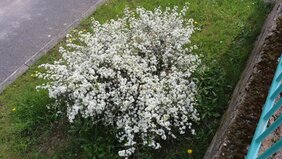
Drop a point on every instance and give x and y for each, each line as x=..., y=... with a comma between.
x=46, y=136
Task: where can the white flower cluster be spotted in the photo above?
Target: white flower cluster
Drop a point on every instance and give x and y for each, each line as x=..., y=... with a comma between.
x=133, y=73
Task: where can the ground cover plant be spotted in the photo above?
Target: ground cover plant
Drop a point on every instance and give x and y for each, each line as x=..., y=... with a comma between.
x=227, y=32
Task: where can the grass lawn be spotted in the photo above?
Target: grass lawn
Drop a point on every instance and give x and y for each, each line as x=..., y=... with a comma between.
x=228, y=32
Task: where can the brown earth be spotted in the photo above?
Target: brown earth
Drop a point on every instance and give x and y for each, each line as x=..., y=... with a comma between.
x=240, y=120
x=273, y=137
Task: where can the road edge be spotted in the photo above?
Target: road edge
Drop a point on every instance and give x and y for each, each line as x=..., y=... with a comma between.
x=49, y=45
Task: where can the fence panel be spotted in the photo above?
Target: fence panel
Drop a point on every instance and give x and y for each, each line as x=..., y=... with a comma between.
x=263, y=130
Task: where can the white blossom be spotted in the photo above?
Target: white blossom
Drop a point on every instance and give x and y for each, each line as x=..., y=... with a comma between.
x=134, y=73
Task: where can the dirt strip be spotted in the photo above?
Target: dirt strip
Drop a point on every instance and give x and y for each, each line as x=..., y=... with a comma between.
x=274, y=136
x=240, y=120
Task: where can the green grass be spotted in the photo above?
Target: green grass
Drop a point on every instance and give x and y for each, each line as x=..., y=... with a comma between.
x=228, y=31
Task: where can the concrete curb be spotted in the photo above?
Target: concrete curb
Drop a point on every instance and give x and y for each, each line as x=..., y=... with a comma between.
x=238, y=123
x=22, y=69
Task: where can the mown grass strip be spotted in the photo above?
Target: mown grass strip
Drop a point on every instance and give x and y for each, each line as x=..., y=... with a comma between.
x=228, y=31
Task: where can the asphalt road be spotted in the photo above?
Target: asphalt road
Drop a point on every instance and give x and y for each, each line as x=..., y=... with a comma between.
x=28, y=28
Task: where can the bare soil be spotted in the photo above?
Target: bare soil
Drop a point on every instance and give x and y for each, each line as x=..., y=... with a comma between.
x=240, y=120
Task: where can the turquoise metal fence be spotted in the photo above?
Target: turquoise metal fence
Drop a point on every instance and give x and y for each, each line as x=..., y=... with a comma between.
x=272, y=104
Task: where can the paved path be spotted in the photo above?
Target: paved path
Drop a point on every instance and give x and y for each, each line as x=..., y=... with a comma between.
x=28, y=28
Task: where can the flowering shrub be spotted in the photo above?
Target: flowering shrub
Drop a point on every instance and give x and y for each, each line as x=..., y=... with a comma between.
x=133, y=73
